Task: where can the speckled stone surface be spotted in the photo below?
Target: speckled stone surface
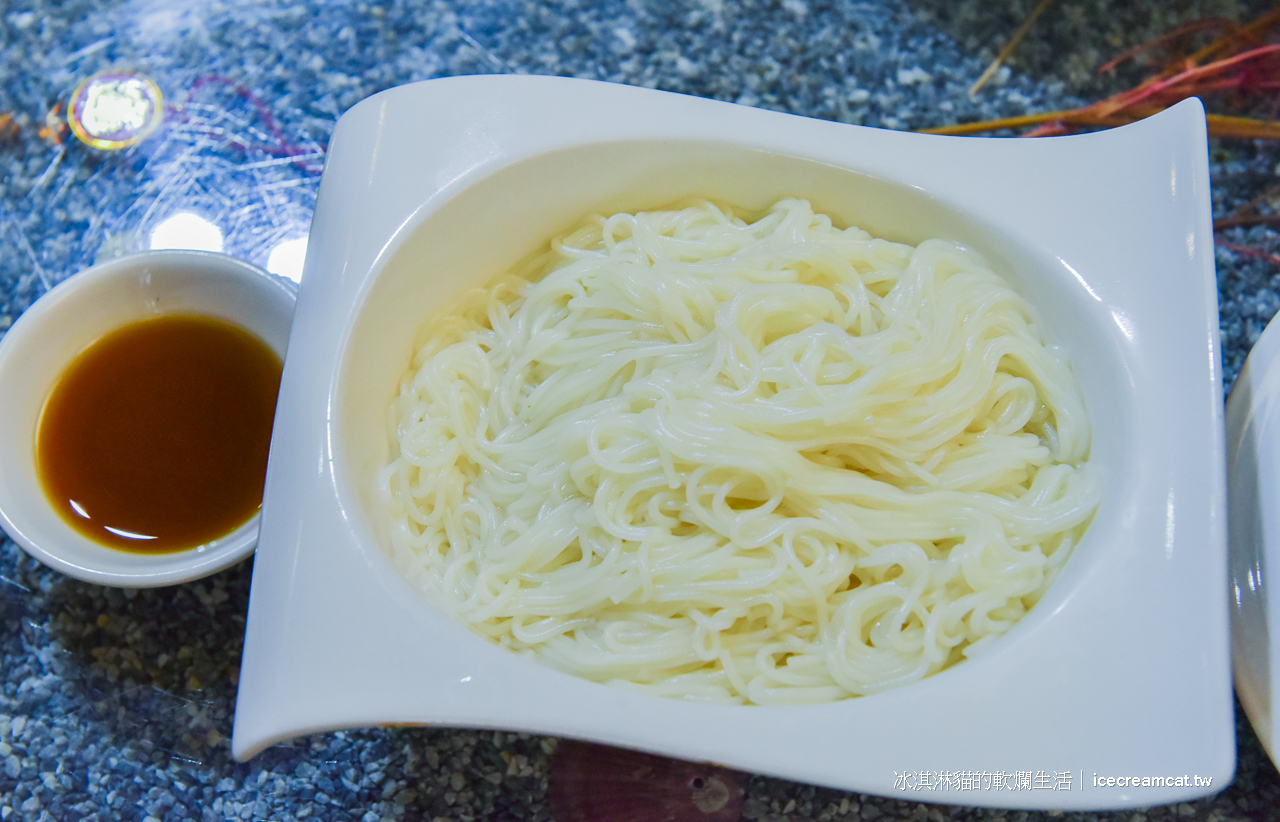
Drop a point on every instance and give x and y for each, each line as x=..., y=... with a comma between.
x=118, y=704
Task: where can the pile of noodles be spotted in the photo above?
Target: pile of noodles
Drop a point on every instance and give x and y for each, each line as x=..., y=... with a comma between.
x=768, y=462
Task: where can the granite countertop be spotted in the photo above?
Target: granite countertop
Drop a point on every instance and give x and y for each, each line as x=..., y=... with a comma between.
x=117, y=704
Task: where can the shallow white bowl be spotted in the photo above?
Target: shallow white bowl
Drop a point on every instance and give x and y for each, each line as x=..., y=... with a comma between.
x=60, y=325
x=1121, y=671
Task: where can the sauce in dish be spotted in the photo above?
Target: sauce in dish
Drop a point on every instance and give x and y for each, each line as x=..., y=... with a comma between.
x=155, y=439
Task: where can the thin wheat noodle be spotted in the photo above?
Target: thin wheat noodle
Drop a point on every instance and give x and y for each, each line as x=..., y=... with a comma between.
x=764, y=461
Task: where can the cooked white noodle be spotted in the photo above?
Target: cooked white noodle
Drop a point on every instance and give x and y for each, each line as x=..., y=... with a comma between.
x=767, y=462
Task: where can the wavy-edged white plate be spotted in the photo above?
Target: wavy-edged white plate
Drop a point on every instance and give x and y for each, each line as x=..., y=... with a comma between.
x=1121, y=672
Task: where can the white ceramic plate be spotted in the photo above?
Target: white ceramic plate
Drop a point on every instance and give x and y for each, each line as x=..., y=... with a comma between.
x=1122, y=671
x=1253, y=456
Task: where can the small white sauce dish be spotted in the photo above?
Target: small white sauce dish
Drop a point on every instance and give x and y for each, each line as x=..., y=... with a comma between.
x=1121, y=671
x=36, y=351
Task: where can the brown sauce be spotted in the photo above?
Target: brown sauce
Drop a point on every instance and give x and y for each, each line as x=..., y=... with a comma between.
x=155, y=438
